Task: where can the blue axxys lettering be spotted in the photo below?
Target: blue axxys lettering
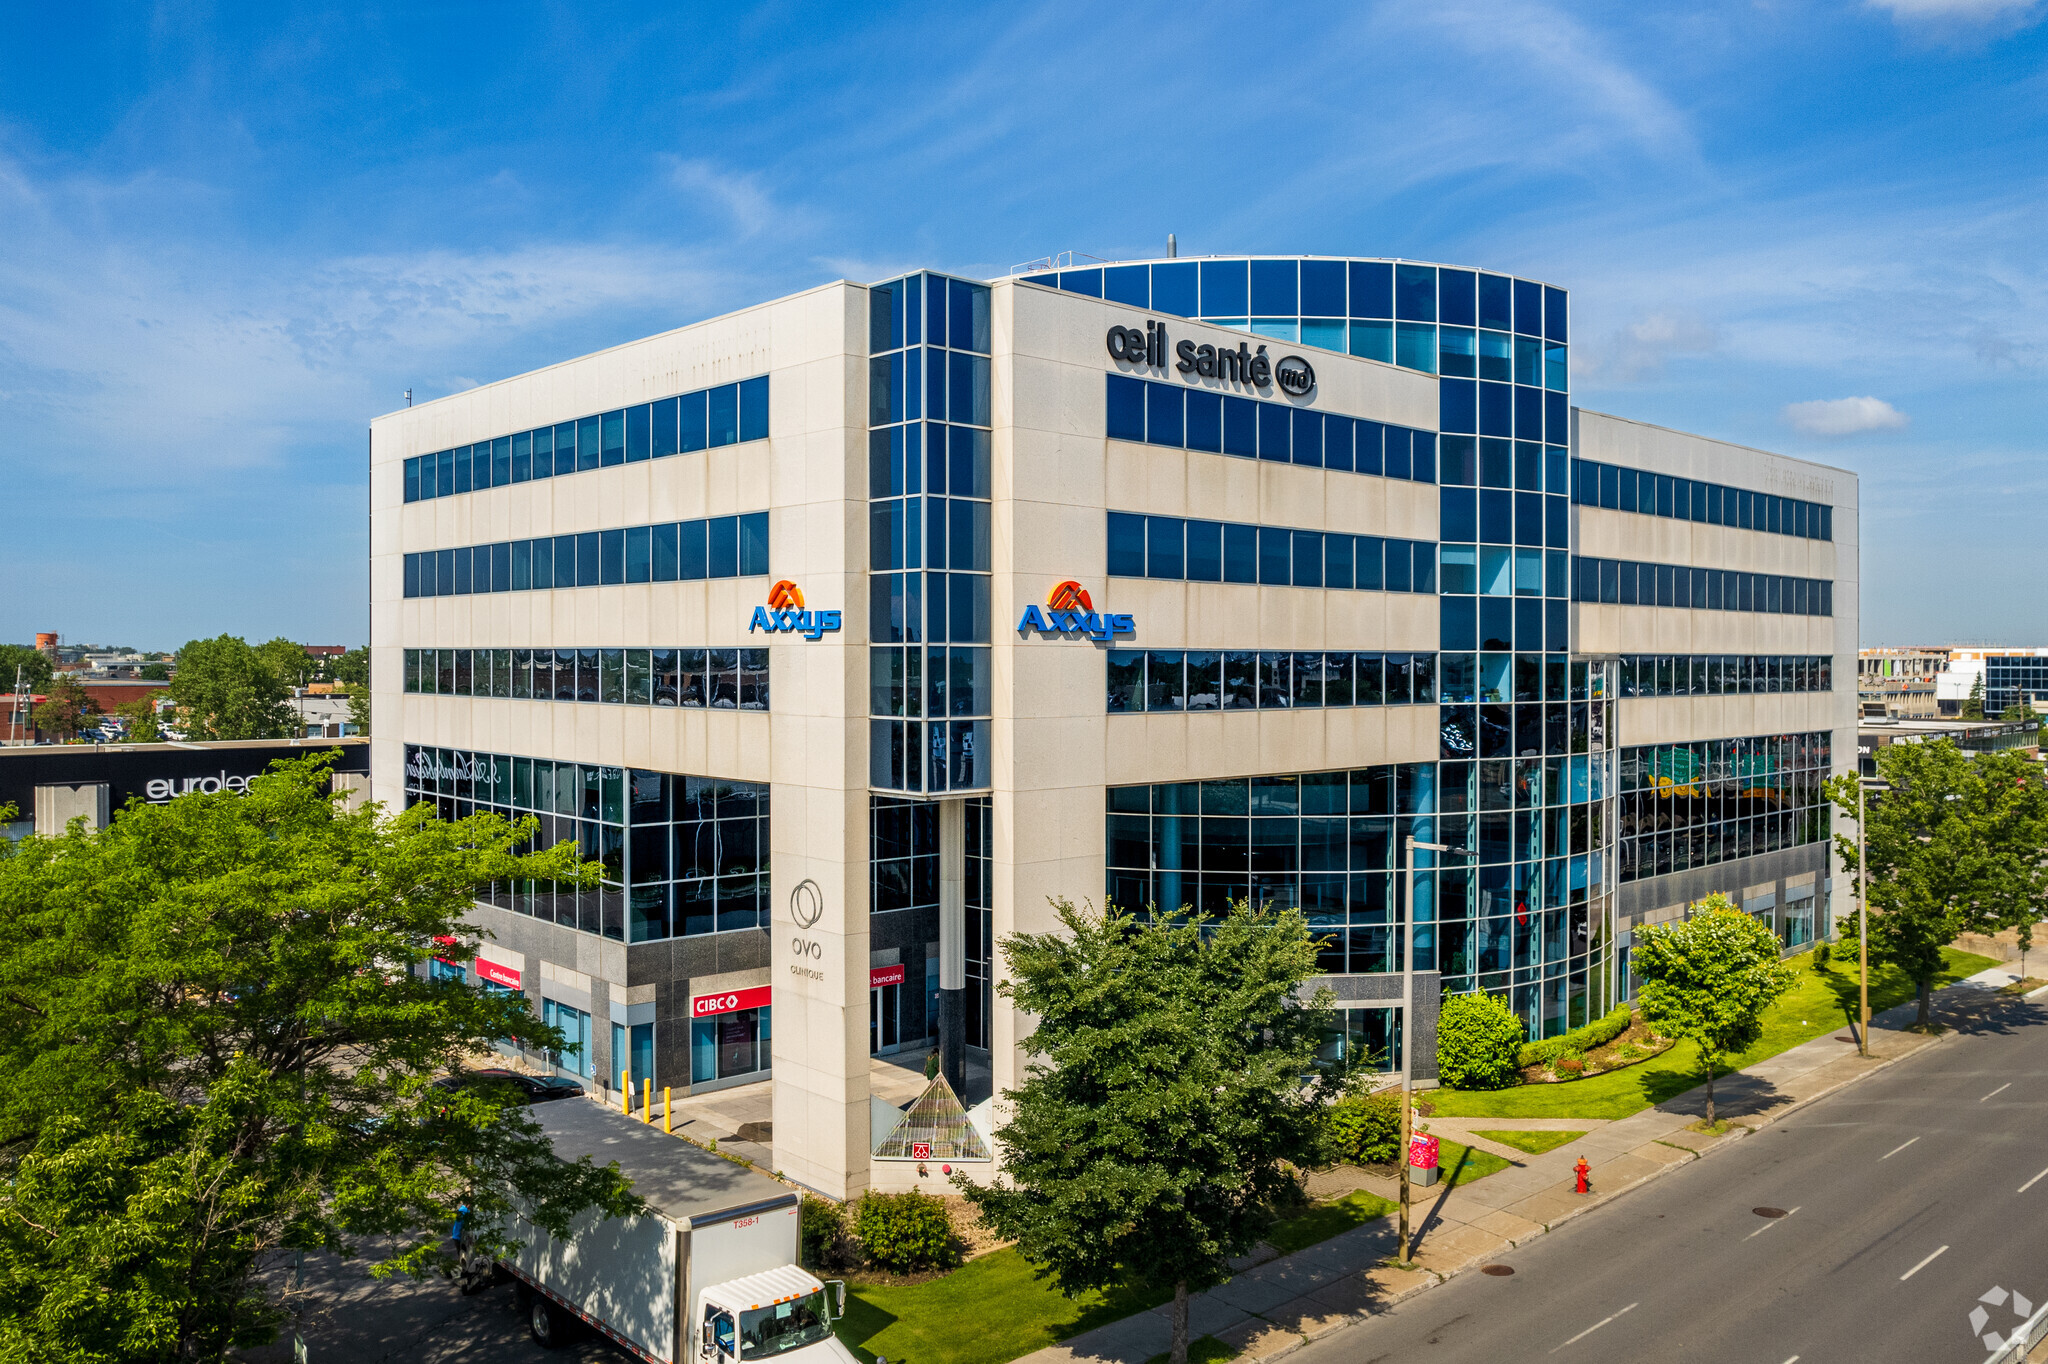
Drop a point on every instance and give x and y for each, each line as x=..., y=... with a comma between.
x=785, y=614
x=1070, y=611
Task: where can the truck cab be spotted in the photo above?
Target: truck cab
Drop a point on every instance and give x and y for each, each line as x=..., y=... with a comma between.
x=783, y=1314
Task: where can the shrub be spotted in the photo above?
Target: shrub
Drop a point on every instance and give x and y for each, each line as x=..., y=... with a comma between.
x=1569, y=1067
x=1598, y=1033
x=1477, y=1038
x=1363, y=1129
x=906, y=1232
x=1821, y=953
x=822, y=1222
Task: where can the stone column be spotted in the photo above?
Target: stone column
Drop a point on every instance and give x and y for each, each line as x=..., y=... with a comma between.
x=953, y=942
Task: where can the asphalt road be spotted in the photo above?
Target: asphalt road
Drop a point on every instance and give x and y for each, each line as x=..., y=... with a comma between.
x=1910, y=1195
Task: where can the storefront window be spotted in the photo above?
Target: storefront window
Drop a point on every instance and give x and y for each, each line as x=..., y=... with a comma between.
x=728, y=1045
x=574, y=1056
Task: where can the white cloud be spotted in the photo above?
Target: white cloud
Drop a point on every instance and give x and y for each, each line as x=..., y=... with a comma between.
x=1843, y=416
x=1965, y=11
x=1638, y=351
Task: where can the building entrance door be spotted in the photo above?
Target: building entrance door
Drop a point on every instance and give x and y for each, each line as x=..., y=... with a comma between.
x=884, y=1034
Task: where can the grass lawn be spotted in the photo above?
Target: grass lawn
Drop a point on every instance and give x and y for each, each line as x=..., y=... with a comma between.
x=1819, y=1002
x=1463, y=1164
x=1320, y=1224
x=1535, y=1143
x=987, y=1311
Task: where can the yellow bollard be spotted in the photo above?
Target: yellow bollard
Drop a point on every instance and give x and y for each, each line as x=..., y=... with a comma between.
x=647, y=1099
x=626, y=1092
x=667, y=1124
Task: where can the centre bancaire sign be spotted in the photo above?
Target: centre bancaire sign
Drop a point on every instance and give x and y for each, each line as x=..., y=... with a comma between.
x=1292, y=373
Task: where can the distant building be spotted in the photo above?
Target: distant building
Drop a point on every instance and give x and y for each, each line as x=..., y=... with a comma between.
x=1899, y=683
x=1972, y=736
x=2010, y=676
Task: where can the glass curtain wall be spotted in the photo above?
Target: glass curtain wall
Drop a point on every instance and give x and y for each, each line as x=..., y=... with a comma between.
x=928, y=476
x=903, y=874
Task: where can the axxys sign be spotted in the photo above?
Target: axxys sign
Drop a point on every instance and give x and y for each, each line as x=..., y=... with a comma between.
x=1069, y=610
x=785, y=613
x=1242, y=364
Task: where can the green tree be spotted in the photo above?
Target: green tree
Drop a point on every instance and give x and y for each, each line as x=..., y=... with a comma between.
x=220, y=1050
x=352, y=668
x=1973, y=704
x=33, y=663
x=143, y=727
x=68, y=707
x=1709, y=977
x=226, y=690
x=1164, y=1093
x=289, y=661
x=1479, y=1042
x=2016, y=713
x=359, y=706
x=1955, y=843
x=155, y=672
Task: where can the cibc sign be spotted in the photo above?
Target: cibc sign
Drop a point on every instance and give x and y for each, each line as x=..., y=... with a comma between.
x=1295, y=376
x=731, y=1001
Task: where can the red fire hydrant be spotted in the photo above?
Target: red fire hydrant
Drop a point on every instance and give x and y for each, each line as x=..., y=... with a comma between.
x=1582, y=1170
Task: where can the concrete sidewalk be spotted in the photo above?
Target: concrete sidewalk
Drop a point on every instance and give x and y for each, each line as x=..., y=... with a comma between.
x=1273, y=1308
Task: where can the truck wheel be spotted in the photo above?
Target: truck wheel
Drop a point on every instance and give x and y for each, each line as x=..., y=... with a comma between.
x=549, y=1324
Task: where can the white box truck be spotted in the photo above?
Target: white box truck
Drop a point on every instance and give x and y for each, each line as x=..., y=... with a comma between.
x=708, y=1275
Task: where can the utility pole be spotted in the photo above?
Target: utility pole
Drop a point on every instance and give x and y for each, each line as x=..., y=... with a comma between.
x=1862, y=917
x=1408, y=1021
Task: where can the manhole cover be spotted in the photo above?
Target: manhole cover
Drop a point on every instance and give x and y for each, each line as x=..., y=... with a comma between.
x=1498, y=1271
x=1768, y=1212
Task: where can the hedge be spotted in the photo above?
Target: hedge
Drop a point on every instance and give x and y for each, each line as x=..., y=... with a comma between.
x=1598, y=1033
x=1476, y=1037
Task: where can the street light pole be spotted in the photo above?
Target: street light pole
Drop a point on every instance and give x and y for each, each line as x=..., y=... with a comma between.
x=1862, y=918
x=1408, y=1019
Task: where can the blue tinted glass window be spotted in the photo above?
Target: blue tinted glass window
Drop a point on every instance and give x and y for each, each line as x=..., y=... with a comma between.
x=565, y=448
x=1087, y=282
x=1371, y=442
x=1278, y=328
x=1397, y=453
x=970, y=398
x=1224, y=289
x=754, y=408
x=1165, y=406
x=1308, y=558
x=1557, y=423
x=725, y=546
x=661, y=553
x=1240, y=553
x=693, y=557
x=1372, y=289
x=1322, y=288
x=1400, y=566
x=639, y=433
x=1276, y=555
x=1308, y=436
x=1128, y=284
x=1126, y=545
x=1496, y=409
x=444, y=578
x=725, y=414
x=1456, y=304
x=589, y=559
x=753, y=544
x=1165, y=547
x=1373, y=341
x=1327, y=332
x=1339, y=551
x=587, y=443
x=1457, y=351
x=663, y=438
x=1205, y=551
x=1274, y=430
x=1458, y=514
x=1337, y=436
x=1529, y=413
x=970, y=316
x=1274, y=288
x=1174, y=289
x=1240, y=427
x=1415, y=292
x=913, y=309
x=934, y=310
x=412, y=482
x=1425, y=457
x=460, y=457
x=1415, y=346
x=1205, y=421
x=1496, y=302
x=612, y=556
x=412, y=575
x=1370, y=564
x=1554, y=315
x=522, y=457
x=695, y=433
x=1528, y=307
x=501, y=461
x=935, y=382
x=1125, y=418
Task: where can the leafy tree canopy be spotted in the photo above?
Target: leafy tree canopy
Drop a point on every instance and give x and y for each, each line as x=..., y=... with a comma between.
x=218, y=1052
x=288, y=660
x=1479, y=1042
x=1710, y=977
x=69, y=707
x=143, y=727
x=1955, y=843
x=226, y=690
x=1164, y=1092
x=33, y=663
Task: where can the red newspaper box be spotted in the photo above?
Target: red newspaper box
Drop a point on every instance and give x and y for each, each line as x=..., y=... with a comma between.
x=1422, y=1159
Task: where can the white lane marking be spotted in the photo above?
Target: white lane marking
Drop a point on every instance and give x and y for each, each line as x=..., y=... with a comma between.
x=2035, y=1180
x=1772, y=1223
x=1604, y=1320
x=1896, y=1149
x=1998, y=1091
x=1922, y=1265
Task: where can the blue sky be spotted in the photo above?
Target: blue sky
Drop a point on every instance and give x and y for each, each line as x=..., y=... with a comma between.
x=230, y=237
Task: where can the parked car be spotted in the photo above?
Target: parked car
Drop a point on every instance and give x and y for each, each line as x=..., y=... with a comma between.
x=536, y=1089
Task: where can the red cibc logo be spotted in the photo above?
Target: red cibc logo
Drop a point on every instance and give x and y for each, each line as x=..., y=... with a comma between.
x=786, y=596
x=1070, y=596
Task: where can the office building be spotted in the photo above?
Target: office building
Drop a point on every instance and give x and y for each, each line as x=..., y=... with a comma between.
x=848, y=630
